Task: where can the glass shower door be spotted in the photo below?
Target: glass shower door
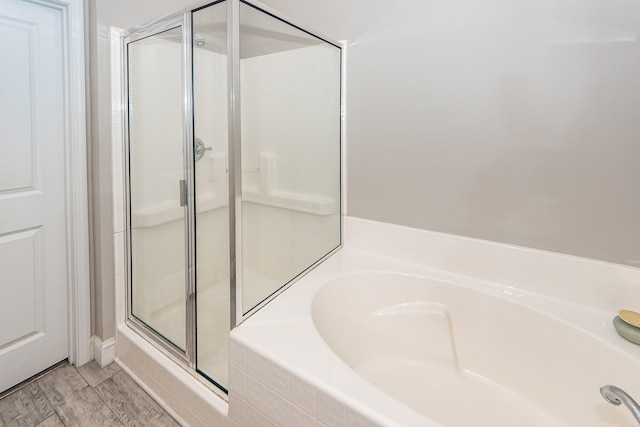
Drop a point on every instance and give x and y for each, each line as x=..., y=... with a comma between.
x=210, y=122
x=156, y=184
x=290, y=125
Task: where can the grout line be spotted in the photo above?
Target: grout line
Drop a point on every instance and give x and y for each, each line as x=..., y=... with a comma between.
x=104, y=402
x=55, y=411
x=111, y=375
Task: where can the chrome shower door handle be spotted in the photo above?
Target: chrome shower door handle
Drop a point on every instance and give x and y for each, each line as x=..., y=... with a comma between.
x=183, y=192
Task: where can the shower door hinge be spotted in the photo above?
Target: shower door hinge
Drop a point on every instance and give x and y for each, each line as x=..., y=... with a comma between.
x=183, y=192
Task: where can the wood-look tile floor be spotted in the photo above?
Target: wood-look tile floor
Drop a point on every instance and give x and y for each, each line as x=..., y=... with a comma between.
x=86, y=396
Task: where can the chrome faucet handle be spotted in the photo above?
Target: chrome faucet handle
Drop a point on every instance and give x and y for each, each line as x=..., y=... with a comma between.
x=199, y=149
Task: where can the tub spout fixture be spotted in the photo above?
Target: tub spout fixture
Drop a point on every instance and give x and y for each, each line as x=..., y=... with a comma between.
x=616, y=396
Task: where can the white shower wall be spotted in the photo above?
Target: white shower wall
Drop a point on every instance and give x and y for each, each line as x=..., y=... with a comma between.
x=290, y=162
x=288, y=98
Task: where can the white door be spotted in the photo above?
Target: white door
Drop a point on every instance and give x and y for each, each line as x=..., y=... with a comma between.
x=33, y=251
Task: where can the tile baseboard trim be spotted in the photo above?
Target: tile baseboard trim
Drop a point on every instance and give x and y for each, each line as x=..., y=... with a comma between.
x=182, y=395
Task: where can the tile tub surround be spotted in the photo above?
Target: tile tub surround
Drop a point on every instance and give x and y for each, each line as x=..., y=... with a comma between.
x=274, y=351
x=264, y=393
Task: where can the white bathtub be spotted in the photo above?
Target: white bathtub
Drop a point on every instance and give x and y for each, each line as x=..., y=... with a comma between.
x=368, y=338
x=464, y=357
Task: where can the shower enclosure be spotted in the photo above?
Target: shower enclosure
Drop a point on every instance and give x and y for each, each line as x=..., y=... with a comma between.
x=233, y=171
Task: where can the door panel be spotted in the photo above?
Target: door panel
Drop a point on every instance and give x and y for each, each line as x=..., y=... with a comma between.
x=22, y=305
x=16, y=166
x=156, y=170
x=33, y=253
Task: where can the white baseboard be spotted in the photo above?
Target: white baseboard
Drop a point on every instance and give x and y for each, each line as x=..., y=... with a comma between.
x=103, y=352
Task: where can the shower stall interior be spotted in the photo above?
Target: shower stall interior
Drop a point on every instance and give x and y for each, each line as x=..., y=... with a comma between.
x=233, y=171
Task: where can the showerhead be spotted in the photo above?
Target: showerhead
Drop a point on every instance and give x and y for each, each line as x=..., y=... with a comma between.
x=199, y=40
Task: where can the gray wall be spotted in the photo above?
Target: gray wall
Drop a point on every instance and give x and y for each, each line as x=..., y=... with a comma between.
x=511, y=121
x=507, y=120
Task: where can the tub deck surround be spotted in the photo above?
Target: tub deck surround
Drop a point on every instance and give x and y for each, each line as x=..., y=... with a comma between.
x=537, y=315
x=579, y=280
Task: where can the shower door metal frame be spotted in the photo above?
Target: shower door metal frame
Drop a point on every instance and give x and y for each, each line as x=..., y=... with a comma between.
x=184, y=357
x=235, y=158
x=183, y=19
